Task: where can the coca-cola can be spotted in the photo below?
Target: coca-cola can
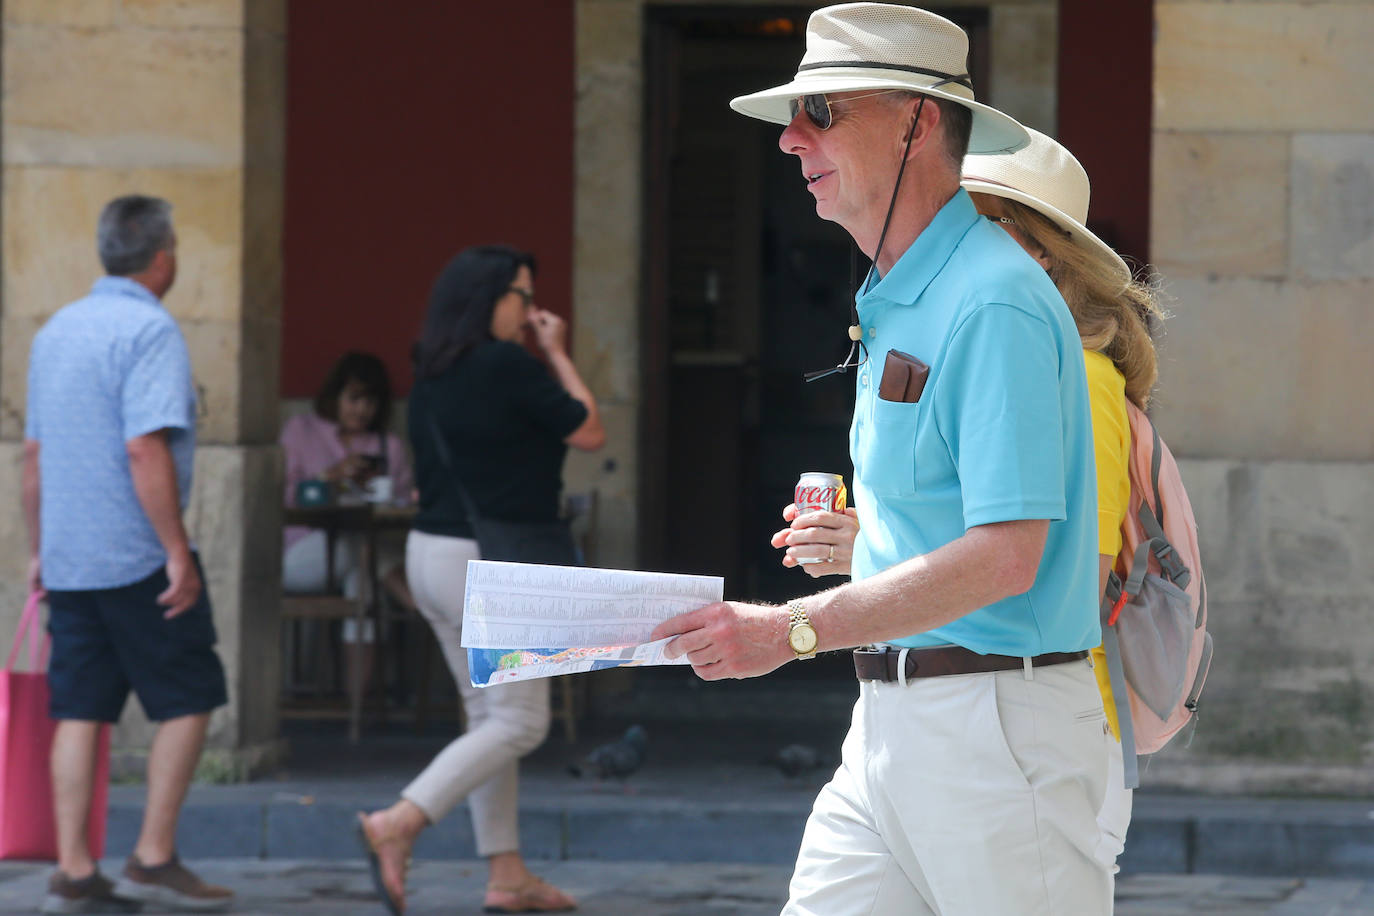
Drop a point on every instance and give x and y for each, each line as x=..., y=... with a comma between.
x=820, y=492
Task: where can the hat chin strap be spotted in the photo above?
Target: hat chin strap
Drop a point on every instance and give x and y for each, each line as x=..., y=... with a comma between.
x=855, y=329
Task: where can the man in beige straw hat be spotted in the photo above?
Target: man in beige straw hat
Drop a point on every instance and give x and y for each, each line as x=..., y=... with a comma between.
x=974, y=768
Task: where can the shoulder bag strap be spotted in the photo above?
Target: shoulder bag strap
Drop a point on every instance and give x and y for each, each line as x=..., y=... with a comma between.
x=446, y=459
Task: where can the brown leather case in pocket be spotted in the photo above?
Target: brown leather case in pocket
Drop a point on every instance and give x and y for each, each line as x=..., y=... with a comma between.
x=904, y=378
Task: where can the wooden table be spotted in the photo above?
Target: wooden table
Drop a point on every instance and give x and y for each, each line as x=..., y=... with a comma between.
x=365, y=520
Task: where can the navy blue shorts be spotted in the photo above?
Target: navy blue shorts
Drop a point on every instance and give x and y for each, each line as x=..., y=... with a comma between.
x=105, y=641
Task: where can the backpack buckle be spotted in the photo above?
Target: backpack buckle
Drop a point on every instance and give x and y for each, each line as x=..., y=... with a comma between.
x=1172, y=566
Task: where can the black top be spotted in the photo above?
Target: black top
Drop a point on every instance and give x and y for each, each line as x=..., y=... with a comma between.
x=504, y=419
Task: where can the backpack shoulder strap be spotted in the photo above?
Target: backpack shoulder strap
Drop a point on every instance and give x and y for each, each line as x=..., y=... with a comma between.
x=1111, y=647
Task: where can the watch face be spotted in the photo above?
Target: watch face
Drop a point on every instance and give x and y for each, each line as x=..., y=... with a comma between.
x=802, y=639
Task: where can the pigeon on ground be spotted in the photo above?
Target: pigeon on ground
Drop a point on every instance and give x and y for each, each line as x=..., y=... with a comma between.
x=618, y=759
x=795, y=760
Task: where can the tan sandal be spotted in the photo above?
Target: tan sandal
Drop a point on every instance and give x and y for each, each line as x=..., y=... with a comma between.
x=533, y=896
x=373, y=846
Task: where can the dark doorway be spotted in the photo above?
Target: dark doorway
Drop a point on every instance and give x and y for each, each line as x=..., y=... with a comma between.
x=746, y=289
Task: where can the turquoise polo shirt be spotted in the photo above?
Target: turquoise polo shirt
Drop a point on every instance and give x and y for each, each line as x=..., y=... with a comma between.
x=1001, y=432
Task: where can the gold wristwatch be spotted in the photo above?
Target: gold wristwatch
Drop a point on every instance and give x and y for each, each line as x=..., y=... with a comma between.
x=801, y=636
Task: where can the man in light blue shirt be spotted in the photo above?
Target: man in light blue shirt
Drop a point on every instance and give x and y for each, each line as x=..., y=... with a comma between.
x=976, y=762
x=109, y=441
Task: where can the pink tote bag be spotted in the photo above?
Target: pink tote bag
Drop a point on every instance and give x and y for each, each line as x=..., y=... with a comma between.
x=27, y=830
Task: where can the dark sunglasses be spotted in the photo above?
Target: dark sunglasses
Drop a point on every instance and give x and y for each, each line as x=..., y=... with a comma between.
x=817, y=107
x=526, y=296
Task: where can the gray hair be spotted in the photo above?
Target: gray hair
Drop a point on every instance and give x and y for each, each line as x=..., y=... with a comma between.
x=131, y=231
x=956, y=121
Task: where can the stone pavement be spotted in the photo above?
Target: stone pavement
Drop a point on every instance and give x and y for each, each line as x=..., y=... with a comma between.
x=705, y=829
x=703, y=796
x=454, y=888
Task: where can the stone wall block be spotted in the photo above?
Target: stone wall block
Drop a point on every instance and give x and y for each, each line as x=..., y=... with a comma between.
x=1290, y=682
x=185, y=14
x=1333, y=205
x=1254, y=66
x=50, y=251
x=215, y=511
x=606, y=208
x=259, y=660
x=16, y=338
x=268, y=16
x=1225, y=499
x=611, y=473
x=259, y=381
x=1219, y=203
x=144, y=99
x=14, y=544
x=1261, y=369
x=216, y=349
x=1024, y=64
x=261, y=525
x=1319, y=524
x=83, y=14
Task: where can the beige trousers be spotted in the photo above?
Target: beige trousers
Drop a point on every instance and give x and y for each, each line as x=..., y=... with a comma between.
x=505, y=722
x=969, y=795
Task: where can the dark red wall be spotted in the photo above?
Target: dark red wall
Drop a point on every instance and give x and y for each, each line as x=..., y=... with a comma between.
x=413, y=130
x=1106, y=68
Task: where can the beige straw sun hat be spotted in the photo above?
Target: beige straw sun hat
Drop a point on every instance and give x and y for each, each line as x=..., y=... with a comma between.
x=855, y=46
x=1047, y=178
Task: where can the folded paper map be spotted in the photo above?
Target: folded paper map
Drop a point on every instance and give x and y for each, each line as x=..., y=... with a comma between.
x=524, y=620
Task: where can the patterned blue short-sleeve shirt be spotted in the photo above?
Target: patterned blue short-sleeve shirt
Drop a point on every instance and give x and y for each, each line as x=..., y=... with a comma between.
x=103, y=370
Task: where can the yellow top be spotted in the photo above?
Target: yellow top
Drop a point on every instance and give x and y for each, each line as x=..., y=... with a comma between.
x=1112, y=448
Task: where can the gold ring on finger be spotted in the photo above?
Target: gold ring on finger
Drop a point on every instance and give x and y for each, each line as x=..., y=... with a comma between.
x=831, y=558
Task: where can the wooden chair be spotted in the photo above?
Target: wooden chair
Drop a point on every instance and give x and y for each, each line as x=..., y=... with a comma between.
x=332, y=604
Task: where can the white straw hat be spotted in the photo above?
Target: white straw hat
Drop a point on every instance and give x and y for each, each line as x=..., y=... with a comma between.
x=856, y=46
x=1047, y=178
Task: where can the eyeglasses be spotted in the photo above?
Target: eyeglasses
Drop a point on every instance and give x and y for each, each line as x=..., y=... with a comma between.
x=526, y=295
x=1004, y=220
x=817, y=106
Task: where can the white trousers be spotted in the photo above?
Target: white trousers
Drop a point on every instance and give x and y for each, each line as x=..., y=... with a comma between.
x=504, y=723
x=1115, y=817
x=970, y=795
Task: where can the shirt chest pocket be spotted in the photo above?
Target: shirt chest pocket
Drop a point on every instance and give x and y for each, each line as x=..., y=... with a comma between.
x=889, y=452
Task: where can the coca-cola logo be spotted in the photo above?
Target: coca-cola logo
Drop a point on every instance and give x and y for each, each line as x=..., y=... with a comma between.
x=817, y=496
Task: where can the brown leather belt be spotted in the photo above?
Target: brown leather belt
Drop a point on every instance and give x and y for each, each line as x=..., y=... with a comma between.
x=880, y=663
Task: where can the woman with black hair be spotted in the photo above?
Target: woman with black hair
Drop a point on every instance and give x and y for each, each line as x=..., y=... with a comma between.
x=345, y=441
x=486, y=419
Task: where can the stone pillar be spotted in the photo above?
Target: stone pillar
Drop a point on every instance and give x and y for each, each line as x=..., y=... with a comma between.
x=1263, y=190
x=185, y=101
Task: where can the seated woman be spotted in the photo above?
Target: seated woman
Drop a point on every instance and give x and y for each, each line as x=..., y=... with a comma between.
x=344, y=441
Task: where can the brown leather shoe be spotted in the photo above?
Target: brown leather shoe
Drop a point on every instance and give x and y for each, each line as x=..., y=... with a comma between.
x=92, y=894
x=172, y=886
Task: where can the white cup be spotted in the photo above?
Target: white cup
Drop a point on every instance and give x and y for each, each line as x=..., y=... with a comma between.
x=379, y=489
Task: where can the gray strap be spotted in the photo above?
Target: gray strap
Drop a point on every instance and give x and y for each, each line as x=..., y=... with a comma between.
x=1169, y=561
x=446, y=460
x=1121, y=699
x=1139, y=566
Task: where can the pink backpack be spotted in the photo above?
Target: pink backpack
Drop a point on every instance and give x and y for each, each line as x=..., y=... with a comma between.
x=1154, y=613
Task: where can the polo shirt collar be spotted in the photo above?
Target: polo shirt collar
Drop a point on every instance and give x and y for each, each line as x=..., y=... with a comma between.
x=927, y=256
x=123, y=286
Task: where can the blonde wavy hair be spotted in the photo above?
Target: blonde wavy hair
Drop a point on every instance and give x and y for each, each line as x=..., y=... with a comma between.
x=1112, y=319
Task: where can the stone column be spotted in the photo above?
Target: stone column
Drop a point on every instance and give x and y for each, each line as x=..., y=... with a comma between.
x=1262, y=226
x=185, y=101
